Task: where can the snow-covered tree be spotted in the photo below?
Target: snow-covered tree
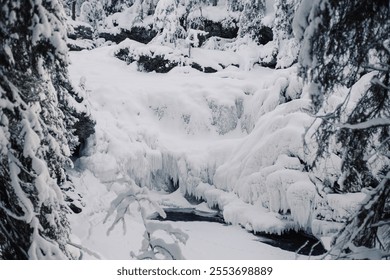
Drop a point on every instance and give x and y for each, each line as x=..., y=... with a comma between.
x=366, y=234
x=38, y=127
x=250, y=19
x=114, y=6
x=144, y=8
x=193, y=18
x=70, y=8
x=167, y=22
x=346, y=49
x=234, y=5
x=286, y=43
x=92, y=12
x=73, y=7
x=192, y=39
x=161, y=241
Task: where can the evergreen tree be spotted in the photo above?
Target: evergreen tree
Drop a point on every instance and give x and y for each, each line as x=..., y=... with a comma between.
x=251, y=16
x=286, y=43
x=73, y=7
x=69, y=7
x=114, y=6
x=145, y=8
x=234, y=5
x=92, y=12
x=167, y=22
x=38, y=128
x=343, y=43
x=193, y=18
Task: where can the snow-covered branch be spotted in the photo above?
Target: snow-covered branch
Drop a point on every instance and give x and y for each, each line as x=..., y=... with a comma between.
x=367, y=124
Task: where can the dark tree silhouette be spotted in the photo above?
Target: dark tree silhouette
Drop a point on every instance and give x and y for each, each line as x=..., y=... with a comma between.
x=343, y=43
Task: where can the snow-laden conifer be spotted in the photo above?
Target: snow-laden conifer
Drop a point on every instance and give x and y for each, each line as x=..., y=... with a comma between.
x=251, y=16
x=345, y=58
x=39, y=119
x=167, y=22
x=286, y=43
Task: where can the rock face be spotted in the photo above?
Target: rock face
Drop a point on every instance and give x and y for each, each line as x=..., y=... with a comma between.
x=264, y=35
x=226, y=30
x=163, y=62
x=137, y=33
x=206, y=69
x=220, y=30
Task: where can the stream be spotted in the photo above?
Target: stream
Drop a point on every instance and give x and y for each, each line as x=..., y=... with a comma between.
x=300, y=242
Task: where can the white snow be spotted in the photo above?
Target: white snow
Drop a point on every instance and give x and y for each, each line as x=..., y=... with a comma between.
x=343, y=205
x=212, y=241
x=220, y=242
x=233, y=138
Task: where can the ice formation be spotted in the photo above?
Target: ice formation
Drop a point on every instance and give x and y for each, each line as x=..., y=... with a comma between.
x=233, y=139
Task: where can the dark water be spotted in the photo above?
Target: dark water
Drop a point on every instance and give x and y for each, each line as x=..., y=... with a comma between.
x=190, y=215
x=299, y=242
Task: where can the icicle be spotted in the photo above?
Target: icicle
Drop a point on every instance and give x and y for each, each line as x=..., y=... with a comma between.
x=301, y=199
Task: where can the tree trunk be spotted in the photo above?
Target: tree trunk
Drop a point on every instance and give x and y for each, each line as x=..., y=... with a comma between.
x=74, y=10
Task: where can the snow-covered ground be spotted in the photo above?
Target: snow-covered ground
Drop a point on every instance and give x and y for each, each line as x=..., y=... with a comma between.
x=227, y=138
x=206, y=240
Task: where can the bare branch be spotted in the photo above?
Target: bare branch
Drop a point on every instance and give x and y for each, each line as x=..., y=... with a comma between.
x=88, y=251
x=376, y=81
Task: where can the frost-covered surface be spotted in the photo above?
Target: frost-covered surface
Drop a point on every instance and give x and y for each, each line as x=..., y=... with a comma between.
x=233, y=139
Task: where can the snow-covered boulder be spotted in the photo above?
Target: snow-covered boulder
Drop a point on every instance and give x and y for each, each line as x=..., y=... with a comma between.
x=162, y=59
x=142, y=34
